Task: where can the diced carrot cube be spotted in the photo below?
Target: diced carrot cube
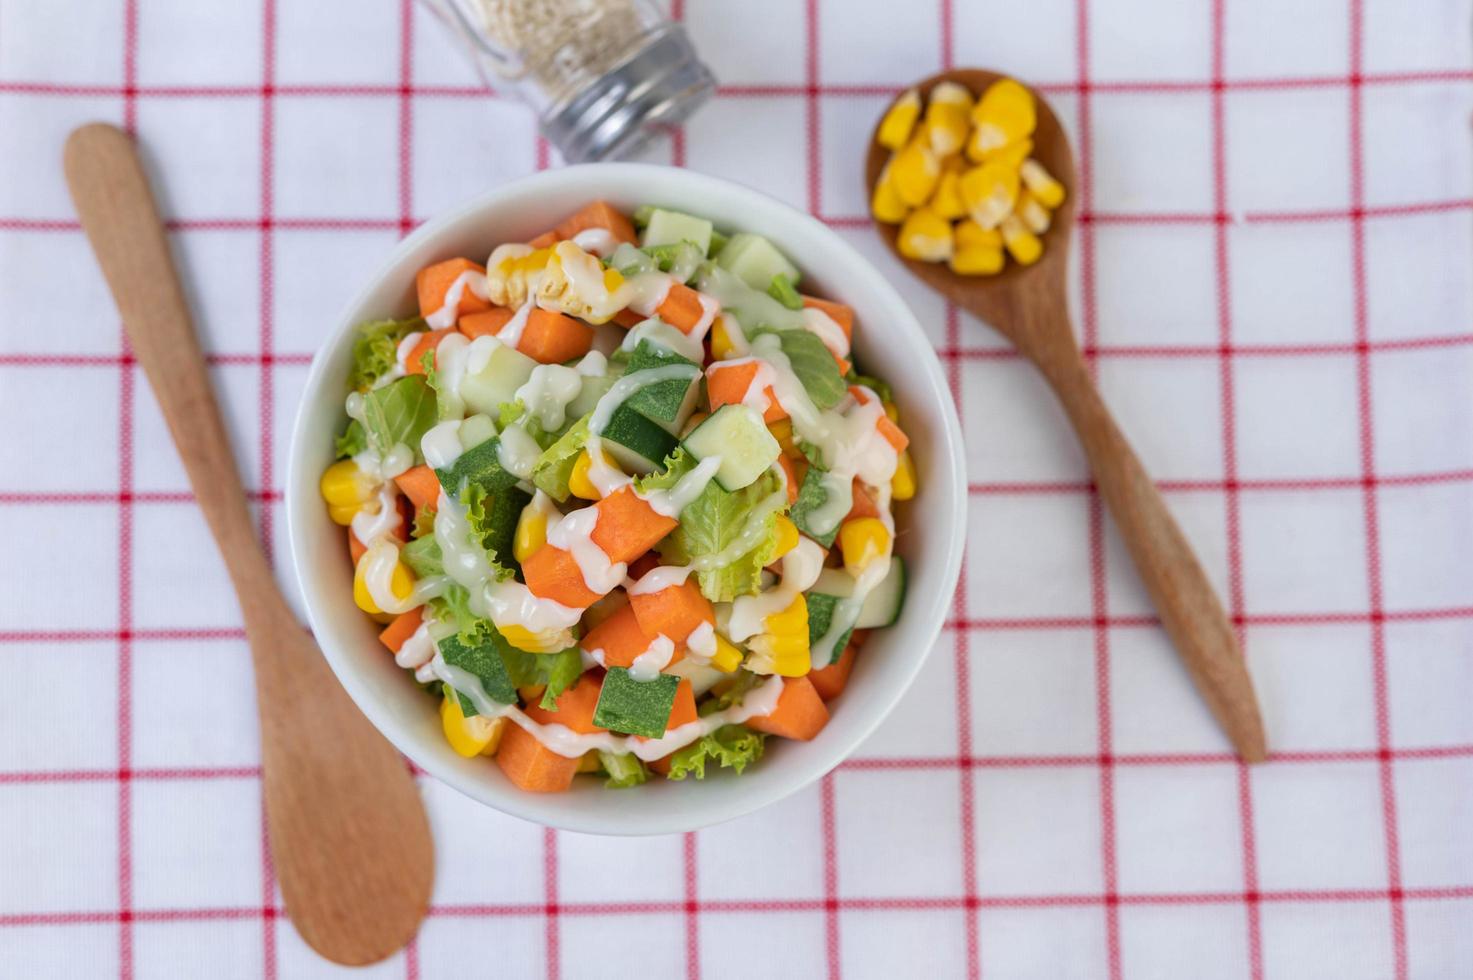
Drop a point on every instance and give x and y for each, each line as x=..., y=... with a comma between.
x=892, y=434
x=434, y=282
x=575, y=706
x=628, y=526
x=599, y=214
x=356, y=548
x=681, y=308
x=829, y=681
x=428, y=341
x=857, y=638
x=838, y=312
x=644, y=564
x=674, y=611
x=620, y=637
x=727, y=383
x=627, y=318
x=531, y=765
x=545, y=240
x=421, y=486
x=490, y=321
x=551, y=337
x=402, y=628
x=800, y=712
x=864, y=505
x=552, y=573
x=791, y=471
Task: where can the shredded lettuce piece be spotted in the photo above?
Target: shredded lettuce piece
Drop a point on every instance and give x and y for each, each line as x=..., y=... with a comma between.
x=423, y=556
x=558, y=671
x=730, y=746
x=515, y=413
x=376, y=349
x=424, y=523
x=812, y=363
x=452, y=607
x=554, y=467
x=493, y=520
x=353, y=440
x=623, y=768
x=713, y=521
x=730, y=693
x=401, y=412
x=784, y=292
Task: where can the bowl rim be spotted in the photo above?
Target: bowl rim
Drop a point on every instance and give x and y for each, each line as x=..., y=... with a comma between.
x=541, y=808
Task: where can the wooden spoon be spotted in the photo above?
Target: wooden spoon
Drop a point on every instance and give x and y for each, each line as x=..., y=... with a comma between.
x=347, y=827
x=1028, y=306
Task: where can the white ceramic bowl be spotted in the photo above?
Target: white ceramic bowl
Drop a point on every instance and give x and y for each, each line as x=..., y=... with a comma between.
x=931, y=528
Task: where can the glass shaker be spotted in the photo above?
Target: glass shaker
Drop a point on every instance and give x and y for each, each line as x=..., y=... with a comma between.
x=603, y=75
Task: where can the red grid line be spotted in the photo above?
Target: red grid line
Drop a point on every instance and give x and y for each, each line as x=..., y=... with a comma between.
x=550, y=908
x=832, y=949
x=1356, y=151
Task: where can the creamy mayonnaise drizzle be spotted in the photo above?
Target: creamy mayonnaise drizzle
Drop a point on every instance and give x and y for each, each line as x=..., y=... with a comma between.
x=735, y=335
x=596, y=241
x=659, y=579
x=801, y=568
x=827, y=329
x=510, y=333
x=662, y=333
x=701, y=644
x=548, y=391
x=372, y=523
x=418, y=650
x=647, y=666
x=517, y=451
x=441, y=445
x=447, y=314
x=759, y=701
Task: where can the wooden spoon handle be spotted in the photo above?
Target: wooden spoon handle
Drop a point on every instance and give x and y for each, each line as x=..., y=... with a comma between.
x=116, y=206
x=1189, y=607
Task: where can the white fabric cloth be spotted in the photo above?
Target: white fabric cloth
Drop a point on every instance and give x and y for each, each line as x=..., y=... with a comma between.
x=1275, y=280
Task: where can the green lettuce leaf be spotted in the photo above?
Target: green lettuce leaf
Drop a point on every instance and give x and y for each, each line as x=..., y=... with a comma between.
x=452, y=607
x=493, y=519
x=424, y=523
x=423, y=557
x=783, y=291
x=871, y=382
x=733, y=692
x=812, y=363
x=559, y=671
x=353, y=440
x=624, y=769
x=515, y=413
x=375, y=350
x=730, y=747
x=713, y=521
x=554, y=467
x=401, y=412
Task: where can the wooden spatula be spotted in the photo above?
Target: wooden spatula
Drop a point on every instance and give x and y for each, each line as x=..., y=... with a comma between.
x=1028, y=306
x=348, y=832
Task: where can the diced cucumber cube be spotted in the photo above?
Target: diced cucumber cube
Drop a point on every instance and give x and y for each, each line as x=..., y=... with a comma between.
x=755, y=260
x=506, y=370
x=649, y=354
x=485, y=662
x=738, y=436
x=635, y=707
x=480, y=465
x=636, y=443
x=476, y=430
x=669, y=227
x=593, y=389
x=882, y=606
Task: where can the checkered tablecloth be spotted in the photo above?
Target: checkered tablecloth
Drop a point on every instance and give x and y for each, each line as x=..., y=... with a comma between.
x=1273, y=281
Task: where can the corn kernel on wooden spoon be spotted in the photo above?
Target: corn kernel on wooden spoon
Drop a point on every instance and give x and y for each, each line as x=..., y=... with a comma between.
x=1027, y=304
x=348, y=832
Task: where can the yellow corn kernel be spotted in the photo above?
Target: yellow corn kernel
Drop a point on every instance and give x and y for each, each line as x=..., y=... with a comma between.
x=925, y=236
x=579, y=483
x=727, y=657
x=1035, y=216
x=531, y=533
x=535, y=259
x=783, y=647
x=721, y=345
x=903, y=483
x=946, y=127
x=541, y=641
x=1004, y=113
x=787, y=536
x=947, y=201
x=345, y=488
x=899, y=120
x=969, y=234
x=1022, y=244
x=588, y=762
x=1011, y=155
x=782, y=431
x=613, y=279
x=990, y=191
x=861, y=541
x=401, y=583
x=469, y=737
x=914, y=172
x=977, y=260
x=952, y=93
x=892, y=412
x=1041, y=183
x=885, y=204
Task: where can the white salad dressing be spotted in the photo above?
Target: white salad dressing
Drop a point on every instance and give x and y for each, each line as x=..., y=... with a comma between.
x=669, y=503
x=446, y=315
x=371, y=523
x=597, y=241
x=662, y=333
x=647, y=666
x=827, y=329
x=418, y=650
x=378, y=564
x=735, y=335
x=452, y=356
x=592, y=365
x=659, y=579
x=701, y=644
x=759, y=701
x=441, y=445
x=510, y=333
x=517, y=451
x=573, y=534
x=801, y=568
x=548, y=391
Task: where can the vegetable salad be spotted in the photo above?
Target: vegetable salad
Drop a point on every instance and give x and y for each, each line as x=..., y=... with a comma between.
x=620, y=499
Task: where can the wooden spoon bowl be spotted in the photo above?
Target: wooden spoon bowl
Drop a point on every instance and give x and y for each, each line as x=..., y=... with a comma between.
x=1028, y=305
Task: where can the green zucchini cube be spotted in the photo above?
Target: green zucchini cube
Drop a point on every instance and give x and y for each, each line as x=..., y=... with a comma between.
x=483, y=660
x=635, y=707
